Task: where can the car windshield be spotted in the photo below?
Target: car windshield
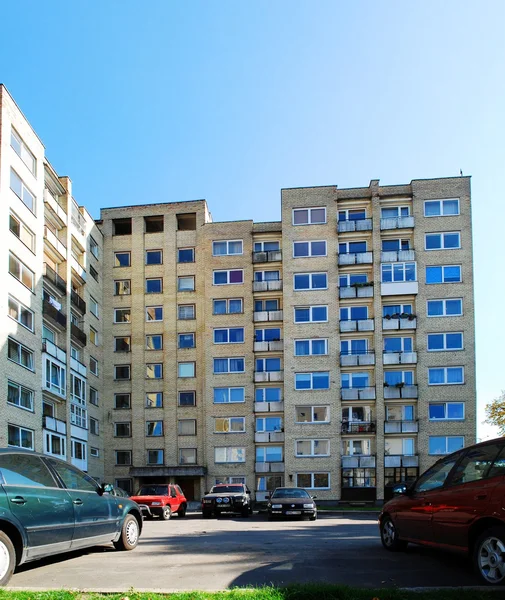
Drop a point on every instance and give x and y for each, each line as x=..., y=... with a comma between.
x=287, y=493
x=227, y=489
x=153, y=490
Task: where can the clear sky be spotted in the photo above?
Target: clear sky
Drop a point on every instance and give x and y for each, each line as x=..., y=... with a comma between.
x=159, y=101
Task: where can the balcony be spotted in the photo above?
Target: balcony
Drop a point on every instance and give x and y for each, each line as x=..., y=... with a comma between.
x=394, y=392
x=360, y=325
x=267, y=315
x=402, y=322
x=357, y=291
x=51, y=275
x=392, y=256
x=78, y=268
x=365, y=393
x=269, y=467
x=268, y=407
x=58, y=247
x=354, y=225
x=78, y=334
x=401, y=460
x=273, y=346
x=79, y=223
x=265, y=376
x=262, y=437
x=77, y=301
x=358, y=462
x=53, y=424
x=352, y=427
x=56, y=207
x=78, y=367
x=270, y=256
x=399, y=288
x=397, y=223
x=357, y=360
x=401, y=426
x=273, y=285
x=54, y=351
x=399, y=358
x=355, y=258
x=52, y=313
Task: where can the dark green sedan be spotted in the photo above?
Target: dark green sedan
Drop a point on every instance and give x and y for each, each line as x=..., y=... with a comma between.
x=48, y=506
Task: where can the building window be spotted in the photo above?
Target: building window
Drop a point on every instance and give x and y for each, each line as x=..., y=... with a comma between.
x=154, y=257
x=395, y=310
x=311, y=314
x=55, y=377
x=352, y=279
x=398, y=272
x=93, y=272
x=267, y=365
x=24, y=153
x=154, y=313
x=268, y=424
x=186, y=340
x=122, y=344
x=93, y=426
x=78, y=450
x=354, y=380
x=187, y=456
x=398, y=344
x=21, y=231
x=354, y=313
x=227, y=306
x=93, y=365
x=187, y=398
x=225, y=395
x=450, y=307
x=272, y=334
x=312, y=414
x=22, y=192
x=154, y=285
x=228, y=277
x=266, y=454
x=153, y=224
x=186, y=312
x=227, y=247
x=309, y=216
x=122, y=287
x=154, y=400
x=232, y=480
x=20, y=437
x=154, y=342
x=394, y=212
x=20, y=354
x=121, y=372
x=438, y=342
x=268, y=394
x=446, y=376
x=154, y=371
x=272, y=275
x=231, y=335
x=309, y=249
x=313, y=481
x=187, y=426
x=312, y=448
x=21, y=272
x=266, y=305
x=93, y=396
x=55, y=445
x=186, y=255
x=391, y=245
x=352, y=247
x=186, y=369
x=356, y=447
x=20, y=313
x=443, y=274
x=441, y=208
x=186, y=284
x=358, y=478
x=229, y=425
x=123, y=457
x=229, y=454
x=122, y=315
x=311, y=347
x=310, y=281
x=94, y=452
x=93, y=247
x=122, y=259
x=155, y=457
x=442, y=241
x=445, y=444
x=122, y=226
x=122, y=401
x=229, y=365
x=154, y=428
x=93, y=336
x=20, y=396
x=446, y=411
x=393, y=378
x=123, y=429
x=93, y=306
x=357, y=214
x=267, y=246
x=312, y=381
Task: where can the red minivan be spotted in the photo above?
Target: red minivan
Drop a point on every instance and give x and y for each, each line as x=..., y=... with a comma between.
x=458, y=504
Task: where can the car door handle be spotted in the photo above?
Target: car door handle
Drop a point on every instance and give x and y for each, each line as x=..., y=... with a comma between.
x=77, y=501
x=480, y=497
x=18, y=500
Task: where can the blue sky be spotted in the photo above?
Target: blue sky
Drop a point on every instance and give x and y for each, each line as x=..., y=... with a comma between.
x=165, y=101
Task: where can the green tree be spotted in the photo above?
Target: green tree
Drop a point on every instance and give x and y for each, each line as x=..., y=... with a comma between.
x=495, y=413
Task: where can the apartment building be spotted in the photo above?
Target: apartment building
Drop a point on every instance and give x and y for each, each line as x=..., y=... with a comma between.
x=332, y=350
x=50, y=305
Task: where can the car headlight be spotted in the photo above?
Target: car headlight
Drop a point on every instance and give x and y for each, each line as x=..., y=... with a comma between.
x=226, y=500
x=219, y=500
x=276, y=505
x=308, y=506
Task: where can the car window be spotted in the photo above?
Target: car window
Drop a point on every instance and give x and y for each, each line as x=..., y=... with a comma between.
x=173, y=493
x=73, y=479
x=436, y=476
x=498, y=467
x=181, y=493
x=23, y=469
x=475, y=465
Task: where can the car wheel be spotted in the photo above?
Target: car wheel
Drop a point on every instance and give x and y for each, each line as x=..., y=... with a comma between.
x=167, y=513
x=7, y=558
x=313, y=518
x=245, y=511
x=182, y=510
x=489, y=556
x=389, y=536
x=207, y=514
x=129, y=537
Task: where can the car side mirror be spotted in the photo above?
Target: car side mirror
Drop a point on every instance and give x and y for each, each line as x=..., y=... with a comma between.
x=105, y=488
x=205, y=493
x=314, y=497
x=400, y=489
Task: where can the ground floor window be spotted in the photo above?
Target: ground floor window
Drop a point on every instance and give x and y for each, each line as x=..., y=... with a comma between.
x=125, y=484
x=352, y=478
x=228, y=480
x=55, y=445
x=268, y=483
x=394, y=475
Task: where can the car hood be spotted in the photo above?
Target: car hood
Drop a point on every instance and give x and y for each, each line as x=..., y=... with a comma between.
x=291, y=501
x=141, y=499
x=225, y=495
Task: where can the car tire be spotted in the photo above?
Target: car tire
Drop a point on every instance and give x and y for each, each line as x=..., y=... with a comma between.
x=7, y=558
x=166, y=513
x=245, y=512
x=130, y=532
x=182, y=510
x=389, y=536
x=488, y=556
x=313, y=518
x=207, y=514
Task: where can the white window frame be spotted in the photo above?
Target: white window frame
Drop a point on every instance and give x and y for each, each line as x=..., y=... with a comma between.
x=229, y=388
x=311, y=343
x=445, y=382
x=183, y=363
x=122, y=284
x=24, y=152
x=94, y=452
x=441, y=202
x=30, y=204
x=152, y=336
x=154, y=369
x=93, y=396
x=20, y=309
x=181, y=423
x=23, y=269
x=21, y=429
x=148, y=320
x=312, y=476
x=311, y=310
x=398, y=211
x=94, y=426
x=93, y=247
x=156, y=424
x=183, y=308
x=311, y=388
x=21, y=348
x=259, y=423
x=442, y=235
x=122, y=378
x=228, y=300
x=160, y=454
x=150, y=404
x=228, y=329
x=443, y=267
x=20, y=389
x=310, y=253
x=228, y=358
x=61, y=388
x=93, y=307
x=447, y=451
x=117, y=266
x=313, y=442
x=128, y=456
x=229, y=430
x=152, y=250
x=93, y=336
x=312, y=408
x=185, y=277
x=262, y=243
x=227, y=271
x=49, y=436
x=386, y=266
x=188, y=460
x=309, y=216
x=227, y=242
x=445, y=348
x=25, y=232
x=117, y=311
x=444, y=305
x=148, y=279
x=93, y=365
x=446, y=406
x=229, y=451
x=311, y=286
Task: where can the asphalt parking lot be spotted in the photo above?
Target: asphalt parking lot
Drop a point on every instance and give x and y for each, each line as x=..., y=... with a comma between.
x=214, y=554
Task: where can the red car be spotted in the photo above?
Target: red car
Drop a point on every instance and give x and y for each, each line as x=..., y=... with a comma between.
x=162, y=500
x=459, y=505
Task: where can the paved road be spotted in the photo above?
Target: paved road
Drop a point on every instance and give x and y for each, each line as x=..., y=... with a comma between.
x=192, y=553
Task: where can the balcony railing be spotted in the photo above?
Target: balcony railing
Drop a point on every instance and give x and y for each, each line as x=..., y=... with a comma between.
x=78, y=366
x=393, y=392
x=270, y=256
x=53, y=424
x=269, y=467
x=391, y=256
x=267, y=315
x=78, y=334
x=401, y=426
x=355, y=225
x=399, y=460
x=77, y=301
x=54, y=350
x=51, y=275
x=365, y=393
x=56, y=207
x=361, y=462
x=399, y=358
x=351, y=427
x=268, y=406
x=399, y=288
x=78, y=268
x=362, y=291
x=360, y=325
x=57, y=245
x=262, y=437
x=273, y=285
x=272, y=346
x=264, y=376
x=408, y=322
x=50, y=311
x=397, y=223
x=356, y=258
x=357, y=360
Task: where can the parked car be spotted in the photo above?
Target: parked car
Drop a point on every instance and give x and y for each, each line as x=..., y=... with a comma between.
x=48, y=506
x=227, y=498
x=289, y=502
x=459, y=505
x=162, y=500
